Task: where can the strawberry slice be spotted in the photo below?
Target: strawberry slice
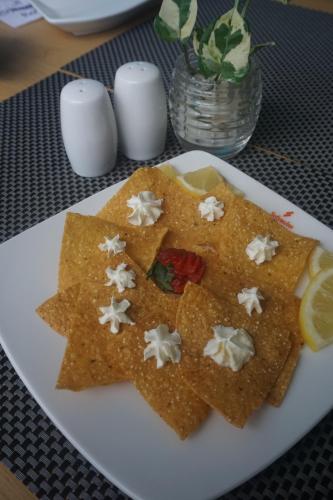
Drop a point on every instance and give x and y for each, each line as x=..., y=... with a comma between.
x=174, y=267
x=191, y=264
x=178, y=285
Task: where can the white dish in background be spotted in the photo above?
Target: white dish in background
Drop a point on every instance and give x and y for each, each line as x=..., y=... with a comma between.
x=112, y=426
x=83, y=17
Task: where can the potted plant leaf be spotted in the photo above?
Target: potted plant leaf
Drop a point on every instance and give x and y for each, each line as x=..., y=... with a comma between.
x=216, y=87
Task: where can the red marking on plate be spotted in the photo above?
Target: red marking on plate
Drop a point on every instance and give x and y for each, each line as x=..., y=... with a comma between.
x=280, y=220
x=288, y=214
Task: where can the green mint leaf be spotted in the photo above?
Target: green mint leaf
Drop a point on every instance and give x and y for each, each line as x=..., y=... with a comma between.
x=162, y=276
x=150, y=272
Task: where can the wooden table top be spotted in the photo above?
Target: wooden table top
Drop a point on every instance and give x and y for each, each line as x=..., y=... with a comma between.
x=31, y=53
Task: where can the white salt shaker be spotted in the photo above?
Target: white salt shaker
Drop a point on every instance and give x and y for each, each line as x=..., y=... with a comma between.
x=141, y=110
x=88, y=127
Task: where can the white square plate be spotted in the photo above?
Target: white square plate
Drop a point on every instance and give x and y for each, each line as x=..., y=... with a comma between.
x=82, y=17
x=112, y=426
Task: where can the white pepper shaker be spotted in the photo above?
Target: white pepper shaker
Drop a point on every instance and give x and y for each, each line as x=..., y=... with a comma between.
x=141, y=110
x=88, y=127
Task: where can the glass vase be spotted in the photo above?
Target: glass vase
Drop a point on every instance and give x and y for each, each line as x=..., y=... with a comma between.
x=214, y=116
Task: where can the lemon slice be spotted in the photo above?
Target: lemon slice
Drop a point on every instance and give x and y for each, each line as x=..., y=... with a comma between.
x=320, y=260
x=316, y=312
x=169, y=170
x=200, y=181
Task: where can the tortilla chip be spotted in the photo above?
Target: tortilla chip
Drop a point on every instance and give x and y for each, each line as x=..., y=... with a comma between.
x=180, y=208
x=163, y=388
x=123, y=353
x=56, y=311
x=94, y=356
x=85, y=362
x=226, y=284
x=281, y=309
x=278, y=392
x=235, y=394
x=279, y=306
x=281, y=386
x=81, y=259
x=243, y=222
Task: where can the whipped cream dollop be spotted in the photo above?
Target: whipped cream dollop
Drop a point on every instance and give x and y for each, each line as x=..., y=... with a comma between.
x=112, y=245
x=211, y=209
x=163, y=345
x=250, y=298
x=261, y=249
x=146, y=209
x=120, y=277
x=116, y=314
x=230, y=347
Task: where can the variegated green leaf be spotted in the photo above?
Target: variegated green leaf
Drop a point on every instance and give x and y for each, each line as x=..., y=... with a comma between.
x=225, y=46
x=208, y=68
x=200, y=45
x=232, y=39
x=197, y=34
x=188, y=10
x=227, y=71
x=164, y=31
x=176, y=19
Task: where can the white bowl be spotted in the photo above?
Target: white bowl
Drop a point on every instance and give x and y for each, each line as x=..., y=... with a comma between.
x=82, y=17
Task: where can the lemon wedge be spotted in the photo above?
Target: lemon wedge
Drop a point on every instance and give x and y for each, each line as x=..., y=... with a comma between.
x=320, y=260
x=169, y=170
x=316, y=312
x=200, y=181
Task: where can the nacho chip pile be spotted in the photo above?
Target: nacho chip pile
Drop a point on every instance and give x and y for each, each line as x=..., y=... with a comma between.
x=183, y=392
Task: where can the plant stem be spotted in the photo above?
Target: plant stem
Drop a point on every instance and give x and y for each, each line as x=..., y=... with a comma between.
x=190, y=68
x=259, y=46
x=245, y=7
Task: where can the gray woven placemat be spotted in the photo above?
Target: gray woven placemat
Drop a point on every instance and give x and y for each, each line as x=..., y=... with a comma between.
x=36, y=182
